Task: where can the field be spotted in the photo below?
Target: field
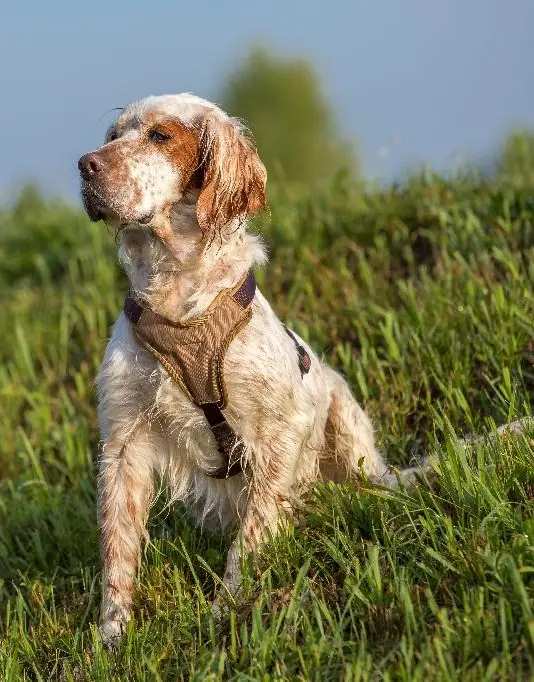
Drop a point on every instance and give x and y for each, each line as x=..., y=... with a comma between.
x=422, y=296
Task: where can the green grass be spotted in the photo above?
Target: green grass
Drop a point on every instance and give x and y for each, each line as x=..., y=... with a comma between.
x=422, y=296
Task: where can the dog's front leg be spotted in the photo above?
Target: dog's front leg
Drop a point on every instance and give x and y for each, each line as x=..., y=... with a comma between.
x=260, y=521
x=268, y=501
x=125, y=490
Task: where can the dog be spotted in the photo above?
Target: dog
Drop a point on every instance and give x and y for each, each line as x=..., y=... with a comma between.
x=178, y=179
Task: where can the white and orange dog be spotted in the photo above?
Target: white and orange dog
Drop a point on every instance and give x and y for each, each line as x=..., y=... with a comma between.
x=178, y=178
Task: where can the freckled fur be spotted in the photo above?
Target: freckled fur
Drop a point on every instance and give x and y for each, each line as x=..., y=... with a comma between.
x=296, y=430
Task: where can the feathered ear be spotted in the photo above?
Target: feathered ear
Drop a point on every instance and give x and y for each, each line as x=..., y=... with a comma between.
x=234, y=178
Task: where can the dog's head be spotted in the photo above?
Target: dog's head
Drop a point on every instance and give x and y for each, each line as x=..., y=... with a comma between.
x=158, y=151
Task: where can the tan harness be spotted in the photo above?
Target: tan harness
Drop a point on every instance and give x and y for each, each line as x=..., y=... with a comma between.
x=192, y=352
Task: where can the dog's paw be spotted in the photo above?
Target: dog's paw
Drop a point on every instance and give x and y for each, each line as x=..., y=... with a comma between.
x=221, y=605
x=224, y=602
x=113, y=625
x=218, y=609
x=111, y=632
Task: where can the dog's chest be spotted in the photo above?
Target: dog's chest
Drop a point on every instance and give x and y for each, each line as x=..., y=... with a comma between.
x=131, y=379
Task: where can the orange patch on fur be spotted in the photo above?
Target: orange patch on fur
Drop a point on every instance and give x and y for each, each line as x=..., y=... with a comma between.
x=234, y=177
x=182, y=147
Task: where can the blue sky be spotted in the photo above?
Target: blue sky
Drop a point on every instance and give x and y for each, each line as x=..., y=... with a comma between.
x=418, y=79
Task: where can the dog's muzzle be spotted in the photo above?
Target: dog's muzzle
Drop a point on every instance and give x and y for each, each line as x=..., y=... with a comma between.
x=92, y=167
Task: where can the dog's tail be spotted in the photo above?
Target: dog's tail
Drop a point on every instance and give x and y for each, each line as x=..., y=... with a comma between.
x=351, y=446
x=424, y=468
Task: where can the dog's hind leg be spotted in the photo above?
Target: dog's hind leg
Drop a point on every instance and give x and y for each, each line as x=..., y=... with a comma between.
x=350, y=443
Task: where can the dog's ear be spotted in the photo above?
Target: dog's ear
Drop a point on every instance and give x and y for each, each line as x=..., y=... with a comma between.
x=233, y=177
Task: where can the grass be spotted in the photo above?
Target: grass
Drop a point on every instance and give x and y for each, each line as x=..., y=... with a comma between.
x=422, y=295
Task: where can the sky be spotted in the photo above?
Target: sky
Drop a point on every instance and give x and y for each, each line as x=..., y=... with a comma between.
x=411, y=81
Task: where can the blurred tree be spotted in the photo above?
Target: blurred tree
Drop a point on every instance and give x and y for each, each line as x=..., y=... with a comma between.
x=516, y=157
x=280, y=99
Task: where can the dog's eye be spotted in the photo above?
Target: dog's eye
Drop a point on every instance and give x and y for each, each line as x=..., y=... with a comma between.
x=157, y=136
x=112, y=136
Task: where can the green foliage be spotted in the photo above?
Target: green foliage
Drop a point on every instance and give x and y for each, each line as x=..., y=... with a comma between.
x=293, y=124
x=38, y=238
x=516, y=159
x=422, y=295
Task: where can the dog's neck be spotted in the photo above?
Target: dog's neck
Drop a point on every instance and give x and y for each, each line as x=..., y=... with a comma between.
x=177, y=271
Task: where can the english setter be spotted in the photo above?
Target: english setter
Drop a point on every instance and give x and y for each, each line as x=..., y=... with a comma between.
x=177, y=178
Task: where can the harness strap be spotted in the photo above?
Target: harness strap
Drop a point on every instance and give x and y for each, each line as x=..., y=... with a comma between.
x=229, y=445
x=132, y=309
x=304, y=358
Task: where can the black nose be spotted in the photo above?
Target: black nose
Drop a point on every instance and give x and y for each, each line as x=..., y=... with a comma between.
x=90, y=164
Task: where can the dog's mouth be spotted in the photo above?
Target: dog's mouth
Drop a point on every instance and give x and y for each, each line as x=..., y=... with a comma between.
x=99, y=207
x=94, y=205
x=145, y=219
